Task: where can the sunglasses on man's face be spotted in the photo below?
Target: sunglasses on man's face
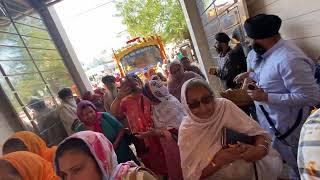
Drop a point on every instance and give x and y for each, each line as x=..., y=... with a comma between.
x=204, y=100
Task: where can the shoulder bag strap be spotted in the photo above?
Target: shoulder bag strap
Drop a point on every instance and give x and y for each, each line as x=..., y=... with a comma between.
x=276, y=132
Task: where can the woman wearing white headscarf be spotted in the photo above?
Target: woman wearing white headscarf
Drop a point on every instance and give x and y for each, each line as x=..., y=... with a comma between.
x=167, y=115
x=200, y=137
x=167, y=110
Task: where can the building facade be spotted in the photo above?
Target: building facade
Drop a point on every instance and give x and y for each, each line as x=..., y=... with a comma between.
x=205, y=18
x=36, y=61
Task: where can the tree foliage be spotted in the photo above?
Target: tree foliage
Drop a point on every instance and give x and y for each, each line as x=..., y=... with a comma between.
x=149, y=17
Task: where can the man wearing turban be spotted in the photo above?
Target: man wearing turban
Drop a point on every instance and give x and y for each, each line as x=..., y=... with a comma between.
x=283, y=86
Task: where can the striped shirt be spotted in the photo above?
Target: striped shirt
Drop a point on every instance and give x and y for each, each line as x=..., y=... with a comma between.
x=309, y=148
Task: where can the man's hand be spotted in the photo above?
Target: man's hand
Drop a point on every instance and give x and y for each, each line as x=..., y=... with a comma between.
x=258, y=95
x=241, y=77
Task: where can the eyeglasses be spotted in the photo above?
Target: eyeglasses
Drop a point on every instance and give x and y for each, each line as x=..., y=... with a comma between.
x=204, y=100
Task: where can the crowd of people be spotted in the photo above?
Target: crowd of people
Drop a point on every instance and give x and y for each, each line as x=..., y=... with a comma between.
x=176, y=127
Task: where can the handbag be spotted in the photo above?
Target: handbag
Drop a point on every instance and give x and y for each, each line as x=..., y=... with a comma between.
x=268, y=168
x=232, y=137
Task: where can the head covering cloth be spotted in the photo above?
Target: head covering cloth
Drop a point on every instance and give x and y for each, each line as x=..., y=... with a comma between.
x=262, y=26
x=35, y=144
x=200, y=138
x=169, y=112
x=30, y=166
x=95, y=123
x=102, y=151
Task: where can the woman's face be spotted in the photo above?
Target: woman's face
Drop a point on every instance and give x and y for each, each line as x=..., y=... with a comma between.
x=176, y=70
x=76, y=165
x=88, y=114
x=200, y=101
x=134, y=84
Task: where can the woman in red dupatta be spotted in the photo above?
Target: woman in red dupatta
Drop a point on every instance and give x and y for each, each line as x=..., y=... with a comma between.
x=132, y=105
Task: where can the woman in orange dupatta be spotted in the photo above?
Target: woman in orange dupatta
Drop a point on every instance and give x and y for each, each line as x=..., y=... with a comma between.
x=28, y=141
x=27, y=166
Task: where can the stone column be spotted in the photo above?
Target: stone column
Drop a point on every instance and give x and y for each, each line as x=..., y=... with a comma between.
x=70, y=58
x=200, y=41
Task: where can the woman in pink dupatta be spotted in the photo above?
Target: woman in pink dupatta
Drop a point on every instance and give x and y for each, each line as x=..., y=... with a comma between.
x=136, y=108
x=90, y=155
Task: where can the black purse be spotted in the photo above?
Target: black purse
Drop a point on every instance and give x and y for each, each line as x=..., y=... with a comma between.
x=232, y=137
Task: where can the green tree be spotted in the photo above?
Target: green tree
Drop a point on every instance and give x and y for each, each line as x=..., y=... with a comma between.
x=149, y=17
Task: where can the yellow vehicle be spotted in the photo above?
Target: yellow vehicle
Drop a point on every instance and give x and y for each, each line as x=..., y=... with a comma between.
x=140, y=54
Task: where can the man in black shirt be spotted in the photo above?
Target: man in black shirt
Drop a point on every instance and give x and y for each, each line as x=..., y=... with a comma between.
x=231, y=61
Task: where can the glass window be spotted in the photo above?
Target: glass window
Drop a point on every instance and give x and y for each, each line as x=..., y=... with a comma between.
x=50, y=65
x=6, y=25
x=10, y=40
x=222, y=5
x=7, y=90
x=230, y=19
x=13, y=6
x=25, y=44
x=26, y=80
x=18, y=67
x=203, y=5
x=36, y=43
x=44, y=54
x=36, y=22
x=212, y=28
x=13, y=53
x=210, y=13
x=34, y=91
x=57, y=80
x=32, y=31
